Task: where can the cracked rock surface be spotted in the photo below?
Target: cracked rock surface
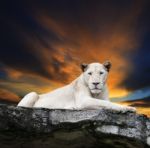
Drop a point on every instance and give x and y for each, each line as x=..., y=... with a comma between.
x=28, y=127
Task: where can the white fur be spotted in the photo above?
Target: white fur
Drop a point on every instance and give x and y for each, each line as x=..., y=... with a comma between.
x=80, y=94
x=148, y=141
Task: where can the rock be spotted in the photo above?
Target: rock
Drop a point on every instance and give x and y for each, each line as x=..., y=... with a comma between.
x=75, y=128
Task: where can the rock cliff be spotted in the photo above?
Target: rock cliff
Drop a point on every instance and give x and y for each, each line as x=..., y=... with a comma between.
x=80, y=128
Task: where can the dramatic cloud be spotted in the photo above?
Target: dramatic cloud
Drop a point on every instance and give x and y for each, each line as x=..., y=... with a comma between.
x=7, y=95
x=44, y=43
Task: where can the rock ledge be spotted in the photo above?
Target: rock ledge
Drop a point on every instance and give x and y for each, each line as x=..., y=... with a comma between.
x=96, y=122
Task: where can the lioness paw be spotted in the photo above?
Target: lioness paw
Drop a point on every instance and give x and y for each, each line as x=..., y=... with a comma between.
x=131, y=109
x=124, y=109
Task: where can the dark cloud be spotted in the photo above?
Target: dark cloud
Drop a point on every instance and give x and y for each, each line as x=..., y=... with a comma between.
x=138, y=77
x=13, y=48
x=48, y=39
x=17, y=27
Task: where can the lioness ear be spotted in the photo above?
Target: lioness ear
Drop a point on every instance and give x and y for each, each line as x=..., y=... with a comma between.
x=84, y=67
x=107, y=65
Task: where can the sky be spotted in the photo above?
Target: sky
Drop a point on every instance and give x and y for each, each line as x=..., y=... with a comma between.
x=43, y=43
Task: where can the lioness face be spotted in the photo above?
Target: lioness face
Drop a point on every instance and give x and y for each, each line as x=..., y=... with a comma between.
x=95, y=75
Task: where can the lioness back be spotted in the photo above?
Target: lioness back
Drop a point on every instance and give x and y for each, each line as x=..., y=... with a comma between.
x=59, y=98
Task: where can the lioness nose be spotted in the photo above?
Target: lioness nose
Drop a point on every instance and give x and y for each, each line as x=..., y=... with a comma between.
x=95, y=83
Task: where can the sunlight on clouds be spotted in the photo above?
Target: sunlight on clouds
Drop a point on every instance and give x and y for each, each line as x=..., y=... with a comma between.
x=79, y=44
x=64, y=43
x=7, y=95
x=118, y=93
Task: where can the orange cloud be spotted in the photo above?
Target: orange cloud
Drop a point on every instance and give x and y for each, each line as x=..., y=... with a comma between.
x=20, y=83
x=7, y=95
x=77, y=43
x=80, y=44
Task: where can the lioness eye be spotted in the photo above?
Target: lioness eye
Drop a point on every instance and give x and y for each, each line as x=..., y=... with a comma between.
x=101, y=73
x=90, y=73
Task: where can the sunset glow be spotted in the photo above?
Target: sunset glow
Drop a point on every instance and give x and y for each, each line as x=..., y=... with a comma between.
x=43, y=45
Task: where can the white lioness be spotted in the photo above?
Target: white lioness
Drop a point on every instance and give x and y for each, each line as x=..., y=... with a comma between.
x=88, y=91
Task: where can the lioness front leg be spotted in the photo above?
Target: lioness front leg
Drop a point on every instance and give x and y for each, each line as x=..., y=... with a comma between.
x=91, y=103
